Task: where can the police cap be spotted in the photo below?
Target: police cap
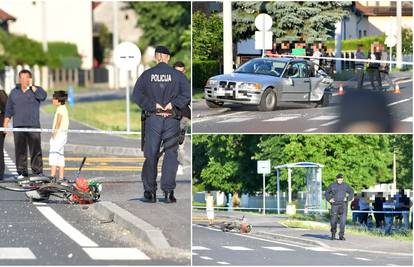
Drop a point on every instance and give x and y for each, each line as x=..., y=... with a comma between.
x=162, y=49
x=340, y=176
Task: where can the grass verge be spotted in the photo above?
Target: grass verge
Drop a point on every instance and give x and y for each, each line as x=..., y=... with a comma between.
x=396, y=235
x=198, y=94
x=103, y=115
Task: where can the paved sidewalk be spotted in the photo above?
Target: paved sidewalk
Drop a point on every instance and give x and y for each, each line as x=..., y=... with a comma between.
x=270, y=226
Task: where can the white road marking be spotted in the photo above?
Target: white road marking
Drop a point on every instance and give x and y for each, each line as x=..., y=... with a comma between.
x=330, y=123
x=223, y=263
x=39, y=203
x=66, y=228
x=399, y=102
x=340, y=254
x=324, y=118
x=283, y=118
x=363, y=259
x=195, y=120
x=409, y=119
x=318, y=249
x=237, y=248
x=278, y=248
x=199, y=248
x=235, y=120
x=16, y=254
x=194, y=253
x=116, y=254
x=206, y=258
x=310, y=130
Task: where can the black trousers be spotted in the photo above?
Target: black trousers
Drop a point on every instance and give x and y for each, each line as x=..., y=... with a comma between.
x=159, y=129
x=374, y=75
x=338, y=210
x=359, y=71
x=1, y=155
x=379, y=219
x=22, y=140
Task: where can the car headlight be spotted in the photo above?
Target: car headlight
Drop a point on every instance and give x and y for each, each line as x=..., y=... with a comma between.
x=212, y=83
x=250, y=86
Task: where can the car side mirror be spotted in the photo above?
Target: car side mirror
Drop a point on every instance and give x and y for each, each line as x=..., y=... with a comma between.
x=290, y=81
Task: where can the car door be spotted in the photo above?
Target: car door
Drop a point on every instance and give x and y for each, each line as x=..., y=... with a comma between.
x=296, y=82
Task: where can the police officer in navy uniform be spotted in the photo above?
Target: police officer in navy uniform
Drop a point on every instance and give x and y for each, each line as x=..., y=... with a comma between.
x=338, y=194
x=161, y=92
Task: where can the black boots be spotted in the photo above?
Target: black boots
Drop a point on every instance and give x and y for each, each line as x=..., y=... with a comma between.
x=169, y=197
x=333, y=236
x=150, y=197
x=342, y=238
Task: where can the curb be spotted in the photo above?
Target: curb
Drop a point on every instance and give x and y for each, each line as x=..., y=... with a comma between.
x=141, y=229
x=322, y=244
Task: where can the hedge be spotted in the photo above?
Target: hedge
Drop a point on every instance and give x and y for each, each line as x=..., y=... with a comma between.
x=204, y=69
x=351, y=45
x=19, y=50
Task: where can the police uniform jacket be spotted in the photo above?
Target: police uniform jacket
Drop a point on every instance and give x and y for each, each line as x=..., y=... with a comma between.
x=338, y=192
x=162, y=84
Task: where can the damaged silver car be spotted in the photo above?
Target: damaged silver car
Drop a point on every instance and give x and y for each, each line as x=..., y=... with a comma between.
x=266, y=82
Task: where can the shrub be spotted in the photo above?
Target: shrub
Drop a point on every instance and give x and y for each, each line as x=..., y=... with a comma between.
x=204, y=69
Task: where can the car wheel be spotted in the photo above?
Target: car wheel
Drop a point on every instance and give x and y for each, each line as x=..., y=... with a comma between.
x=268, y=101
x=212, y=104
x=324, y=102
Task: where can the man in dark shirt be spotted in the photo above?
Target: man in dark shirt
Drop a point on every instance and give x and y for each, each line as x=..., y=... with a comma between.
x=338, y=194
x=23, y=106
x=374, y=69
x=160, y=92
x=359, y=66
x=378, y=203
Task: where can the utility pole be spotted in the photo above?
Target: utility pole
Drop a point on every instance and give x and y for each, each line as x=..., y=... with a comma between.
x=227, y=37
x=338, y=44
x=115, y=40
x=399, y=35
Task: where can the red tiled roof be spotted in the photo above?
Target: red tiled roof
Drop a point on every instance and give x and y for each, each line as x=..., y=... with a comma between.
x=4, y=16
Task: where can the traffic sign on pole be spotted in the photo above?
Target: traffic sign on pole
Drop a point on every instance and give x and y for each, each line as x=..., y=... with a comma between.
x=127, y=56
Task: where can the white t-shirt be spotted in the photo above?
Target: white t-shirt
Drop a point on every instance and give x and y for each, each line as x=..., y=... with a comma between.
x=64, y=123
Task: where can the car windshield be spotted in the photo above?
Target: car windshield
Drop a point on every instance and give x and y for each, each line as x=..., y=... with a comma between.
x=262, y=66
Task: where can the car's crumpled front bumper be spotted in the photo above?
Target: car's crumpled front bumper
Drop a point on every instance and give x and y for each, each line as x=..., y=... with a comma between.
x=233, y=95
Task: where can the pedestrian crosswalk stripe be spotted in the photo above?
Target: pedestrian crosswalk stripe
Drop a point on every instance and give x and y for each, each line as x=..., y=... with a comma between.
x=324, y=118
x=339, y=254
x=310, y=130
x=206, y=258
x=116, y=254
x=236, y=248
x=282, y=118
x=330, y=123
x=363, y=259
x=16, y=254
x=279, y=248
x=223, y=263
x=235, y=120
x=319, y=249
x=199, y=248
x=409, y=119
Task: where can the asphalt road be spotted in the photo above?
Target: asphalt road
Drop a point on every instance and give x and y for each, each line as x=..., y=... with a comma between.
x=58, y=233
x=213, y=247
x=295, y=118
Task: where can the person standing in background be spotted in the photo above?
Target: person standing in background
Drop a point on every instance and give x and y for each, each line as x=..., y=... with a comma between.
x=3, y=101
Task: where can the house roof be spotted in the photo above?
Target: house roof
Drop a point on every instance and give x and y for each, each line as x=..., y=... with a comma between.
x=4, y=16
x=407, y=9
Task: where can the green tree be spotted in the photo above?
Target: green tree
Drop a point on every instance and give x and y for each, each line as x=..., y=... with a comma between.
x=223, y=162
x=207, y=36
x=165, y=23
x=310, y=20
x=228, y=162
